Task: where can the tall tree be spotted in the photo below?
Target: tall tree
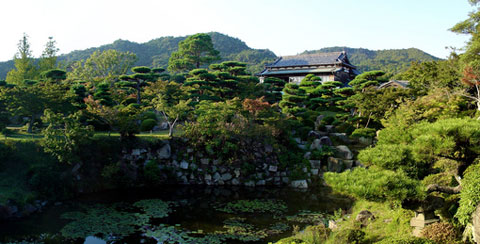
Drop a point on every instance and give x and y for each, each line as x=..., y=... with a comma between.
x=24, y=64
x=142, y=77
x=48, y=60
x=470, y=60
x=103, y=66
x=192, y=53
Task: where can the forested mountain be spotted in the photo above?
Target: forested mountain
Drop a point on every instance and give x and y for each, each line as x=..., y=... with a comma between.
x=156, y=52
x=391, y=61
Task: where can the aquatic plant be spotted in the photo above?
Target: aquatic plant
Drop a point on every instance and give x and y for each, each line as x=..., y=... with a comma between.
x=171, y=235
x=154, y=208
x=103, y=221
x=308, y=217
x=254, y=206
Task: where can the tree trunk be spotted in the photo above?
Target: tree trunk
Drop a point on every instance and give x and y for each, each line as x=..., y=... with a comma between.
x=139, y=101
x=30, y=125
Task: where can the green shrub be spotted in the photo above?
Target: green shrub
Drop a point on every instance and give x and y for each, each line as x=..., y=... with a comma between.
x=328, y=120
x=48, y=181
x=375, y=184
x=322, y=154
x=364, y=132
x=148, y=124
x=152, y=173
x=470, y=194
x=394, y=157
x=407, y=240
x=351, y=236
x=148, y=115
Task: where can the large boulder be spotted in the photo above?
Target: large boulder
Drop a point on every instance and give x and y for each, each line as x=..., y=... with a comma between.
x=334, y=165
x=364, y=217
x=318, y=121
x=343, y=152
x=302, y=184
x=325, y=140
x=164, y=152
x=342, y=137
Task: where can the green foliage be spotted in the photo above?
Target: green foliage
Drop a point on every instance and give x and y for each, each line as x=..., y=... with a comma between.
x=417, y=148
x=364, y=132
x=102, y=66
x=391, y=61
x=437, y=104
x=273, y=88
x=470, y=194
x=147, y=125
x=374, y=184
x=405, y=240
x=193, y=52
x=65, y=136
x=154, y=208
x=354, y=236
x=254, y=206
x=427, y=76
x=152, y=174
x=292, y=100
x=394, y=157
x=103, y=221
x=24, y=63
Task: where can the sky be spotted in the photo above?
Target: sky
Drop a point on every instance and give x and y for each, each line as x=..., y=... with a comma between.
x=286, y=27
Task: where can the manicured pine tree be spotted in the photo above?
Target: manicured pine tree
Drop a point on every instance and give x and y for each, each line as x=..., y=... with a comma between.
x=293, y=99
x=273, y=88
x=201, y=85
x=142, y=77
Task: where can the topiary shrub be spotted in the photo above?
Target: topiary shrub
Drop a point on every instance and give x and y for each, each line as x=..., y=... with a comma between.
x=148, y=115
x=328, y=120
x=147, y=125
x=441, y=233
x=364, y=132
x=375, y=184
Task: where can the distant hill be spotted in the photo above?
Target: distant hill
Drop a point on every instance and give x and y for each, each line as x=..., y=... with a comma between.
x=391, y=61
x=156, y=52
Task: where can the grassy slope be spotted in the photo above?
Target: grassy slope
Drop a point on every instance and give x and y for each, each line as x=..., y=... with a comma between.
x=388, y=222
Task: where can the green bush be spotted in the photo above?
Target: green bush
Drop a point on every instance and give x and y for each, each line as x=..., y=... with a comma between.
x=403, y=240
x=48, y=181
x=152, y=173
x=322, y=154
x=470, y=194
x=394, y=157
x=148, y=124
x=351, y=236
x=328, y=120
x=148, y=115
x=364, y=132
x=375, y=184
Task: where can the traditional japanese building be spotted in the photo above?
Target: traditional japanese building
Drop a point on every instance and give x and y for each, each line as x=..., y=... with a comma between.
x=333, y=66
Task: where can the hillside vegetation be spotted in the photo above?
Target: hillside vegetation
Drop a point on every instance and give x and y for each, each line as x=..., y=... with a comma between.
x=156, y=53
x=391, y=61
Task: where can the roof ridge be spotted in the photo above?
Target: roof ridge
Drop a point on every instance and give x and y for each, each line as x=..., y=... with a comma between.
x=313, y=54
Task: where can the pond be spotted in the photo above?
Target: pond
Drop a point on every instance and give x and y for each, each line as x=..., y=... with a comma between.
x=177, y=214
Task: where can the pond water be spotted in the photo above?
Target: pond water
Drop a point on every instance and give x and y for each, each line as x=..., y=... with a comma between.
x=177, y=214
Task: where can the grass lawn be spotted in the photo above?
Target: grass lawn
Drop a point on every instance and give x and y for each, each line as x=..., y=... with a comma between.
x=20, y=135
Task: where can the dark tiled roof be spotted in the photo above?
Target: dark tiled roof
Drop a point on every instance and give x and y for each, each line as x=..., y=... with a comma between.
x=310, y=59
x=398, y=83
